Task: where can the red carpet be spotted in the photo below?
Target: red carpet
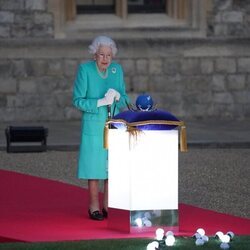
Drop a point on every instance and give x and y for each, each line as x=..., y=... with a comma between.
x=33, y=209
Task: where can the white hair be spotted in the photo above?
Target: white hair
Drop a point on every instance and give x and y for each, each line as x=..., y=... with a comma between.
x=102, y=41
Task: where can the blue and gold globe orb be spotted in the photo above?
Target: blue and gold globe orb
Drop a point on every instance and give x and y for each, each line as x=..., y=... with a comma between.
x=144, y=102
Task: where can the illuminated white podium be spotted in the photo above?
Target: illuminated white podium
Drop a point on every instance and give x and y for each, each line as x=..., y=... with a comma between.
x=143, y=180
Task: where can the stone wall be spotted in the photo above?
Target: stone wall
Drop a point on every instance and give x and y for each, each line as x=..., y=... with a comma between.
x=25, y=18
x=29, y=18
x=193, y=79
x=229, y=18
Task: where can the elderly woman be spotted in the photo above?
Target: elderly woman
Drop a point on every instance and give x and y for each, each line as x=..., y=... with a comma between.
x=99, y=86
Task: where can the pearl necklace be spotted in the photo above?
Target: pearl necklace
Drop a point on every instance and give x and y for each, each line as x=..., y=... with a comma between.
x=104, y=74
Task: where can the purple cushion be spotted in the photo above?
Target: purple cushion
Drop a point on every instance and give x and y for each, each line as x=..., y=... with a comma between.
x=141, y=116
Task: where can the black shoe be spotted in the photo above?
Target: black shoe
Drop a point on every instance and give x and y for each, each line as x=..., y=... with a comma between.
x=96, y=215
x=105, y=213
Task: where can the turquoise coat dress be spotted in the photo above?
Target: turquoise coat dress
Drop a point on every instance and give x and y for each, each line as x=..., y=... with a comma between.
x=90, y=86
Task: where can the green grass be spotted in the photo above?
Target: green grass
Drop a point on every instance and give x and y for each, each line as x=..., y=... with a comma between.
x=182, y=243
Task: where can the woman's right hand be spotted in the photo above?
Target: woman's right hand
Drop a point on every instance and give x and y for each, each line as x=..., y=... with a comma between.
x=109, y=98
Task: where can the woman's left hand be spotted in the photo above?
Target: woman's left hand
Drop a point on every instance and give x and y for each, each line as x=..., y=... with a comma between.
x=112, y=93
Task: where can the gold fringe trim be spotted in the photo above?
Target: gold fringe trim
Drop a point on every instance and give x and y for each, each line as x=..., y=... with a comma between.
x=133, y=131
x=131, y=128
x=133, y=134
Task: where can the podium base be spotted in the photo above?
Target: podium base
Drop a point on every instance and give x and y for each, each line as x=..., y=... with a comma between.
x=143, y=220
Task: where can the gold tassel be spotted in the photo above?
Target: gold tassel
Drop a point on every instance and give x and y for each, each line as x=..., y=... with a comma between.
x=183, y=139
x=105, y=136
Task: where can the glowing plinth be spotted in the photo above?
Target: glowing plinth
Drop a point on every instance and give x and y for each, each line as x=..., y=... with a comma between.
x=143, y=177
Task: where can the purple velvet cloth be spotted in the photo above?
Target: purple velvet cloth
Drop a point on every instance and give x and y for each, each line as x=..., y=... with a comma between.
x=140, y=116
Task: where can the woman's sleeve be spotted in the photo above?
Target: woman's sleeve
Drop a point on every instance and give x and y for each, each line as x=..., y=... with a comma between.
x=124, y=99
x=80, y=100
